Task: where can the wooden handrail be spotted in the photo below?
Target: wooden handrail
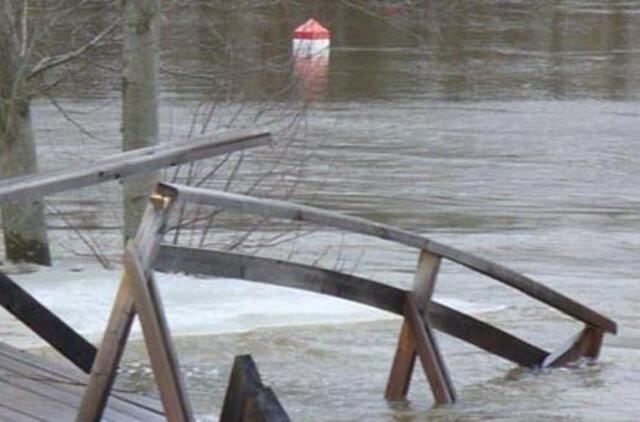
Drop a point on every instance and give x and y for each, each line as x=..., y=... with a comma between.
x=290, y=211
x=349, y=287
x=34, y=186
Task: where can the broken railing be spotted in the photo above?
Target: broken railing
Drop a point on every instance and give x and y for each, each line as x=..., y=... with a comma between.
x=421, y=313
x=138, y=293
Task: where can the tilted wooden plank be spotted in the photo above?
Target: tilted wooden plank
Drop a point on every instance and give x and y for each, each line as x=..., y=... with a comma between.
x=27, y=188
x=162, y=354
x=46, y=324
x=104, y=368
x=429, y=354
x=290, y=211
x=349, y=287
x=485, y=336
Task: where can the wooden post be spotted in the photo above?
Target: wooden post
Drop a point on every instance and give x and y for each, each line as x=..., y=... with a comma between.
x=104, y=367
x=157, y=337
x=247, y=399
x=586, y=343
x=417, y=339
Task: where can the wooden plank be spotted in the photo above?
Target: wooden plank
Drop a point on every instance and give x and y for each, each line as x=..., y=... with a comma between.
x=46, y=324
x=586, y=343
x=406, y=354
x=427, y=349
x=267, y=408
x=72, y=382
x=9, y=413
x=28, y=188
x=425, y=278
x=34, y=405
x=485, y=336
x=402, y=367
x=247, y=399
x=285, y=210
x=157, y=337
x=110, y=352
x=349, y=287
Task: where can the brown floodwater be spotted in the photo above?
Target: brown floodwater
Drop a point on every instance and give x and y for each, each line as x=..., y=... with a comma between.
x=505, y=128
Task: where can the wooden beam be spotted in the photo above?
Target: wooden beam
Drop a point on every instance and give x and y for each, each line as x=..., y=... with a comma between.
x=349, y=287
x=485, y=336
x=404, y=361
x=406, y=353
x=162, y=354
x=586, y=343
x=47, y=325
x=36, y=186
x=247, y=399
x=429, y=354
x=104, y=368
x=286, y=210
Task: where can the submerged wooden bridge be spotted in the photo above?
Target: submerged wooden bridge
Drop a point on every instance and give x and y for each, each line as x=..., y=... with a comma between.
x=138, y=295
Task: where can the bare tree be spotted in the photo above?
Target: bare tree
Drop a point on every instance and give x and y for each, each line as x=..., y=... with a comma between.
x=24, y=225
x=139, y=99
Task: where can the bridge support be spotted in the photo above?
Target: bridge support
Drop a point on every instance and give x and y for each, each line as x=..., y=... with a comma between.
x=418, y=340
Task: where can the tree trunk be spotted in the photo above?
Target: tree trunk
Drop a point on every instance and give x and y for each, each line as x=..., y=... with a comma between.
x=139, y=100
x=24, y=225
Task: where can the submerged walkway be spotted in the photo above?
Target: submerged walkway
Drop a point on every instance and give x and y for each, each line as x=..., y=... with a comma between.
x=35, y=389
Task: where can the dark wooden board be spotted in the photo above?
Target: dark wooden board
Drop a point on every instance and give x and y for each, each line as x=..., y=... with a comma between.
x=350, y=287
x=46, y=324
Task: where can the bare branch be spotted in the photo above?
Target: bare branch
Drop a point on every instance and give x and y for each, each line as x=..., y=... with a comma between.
x=51, y=62
x=25, y=15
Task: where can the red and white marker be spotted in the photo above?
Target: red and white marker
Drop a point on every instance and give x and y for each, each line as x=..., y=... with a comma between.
x=311, y=39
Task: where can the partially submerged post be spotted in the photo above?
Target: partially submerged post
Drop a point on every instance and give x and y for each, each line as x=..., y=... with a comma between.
x=247, y=398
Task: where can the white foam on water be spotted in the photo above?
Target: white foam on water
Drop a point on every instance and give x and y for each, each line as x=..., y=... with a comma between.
x=83, y=296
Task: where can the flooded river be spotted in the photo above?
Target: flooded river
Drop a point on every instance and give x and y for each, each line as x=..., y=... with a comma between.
x=507, y=129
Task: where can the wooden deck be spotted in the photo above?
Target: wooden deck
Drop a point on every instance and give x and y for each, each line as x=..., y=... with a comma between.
x=34, y=389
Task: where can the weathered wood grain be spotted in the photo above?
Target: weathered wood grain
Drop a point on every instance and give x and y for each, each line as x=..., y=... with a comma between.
x=46, y=324
x=162, y=354
x=349, y=287
x=115, y=337
x=27, y=188
x=46, y=382
x=247, y=399
x=289, y=211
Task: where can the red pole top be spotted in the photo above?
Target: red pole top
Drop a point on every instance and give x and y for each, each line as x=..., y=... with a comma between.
x=311, y=30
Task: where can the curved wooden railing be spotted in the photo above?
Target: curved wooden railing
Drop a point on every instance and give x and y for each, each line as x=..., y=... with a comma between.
x=421, y=314
x=287, y=210
x=138, y=293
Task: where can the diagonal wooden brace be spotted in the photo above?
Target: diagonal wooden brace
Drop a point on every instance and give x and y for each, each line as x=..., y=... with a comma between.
x=417, y=339
x=157, y=337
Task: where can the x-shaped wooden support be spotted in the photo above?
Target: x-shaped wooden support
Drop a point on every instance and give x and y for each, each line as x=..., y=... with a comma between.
x=417, y=339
